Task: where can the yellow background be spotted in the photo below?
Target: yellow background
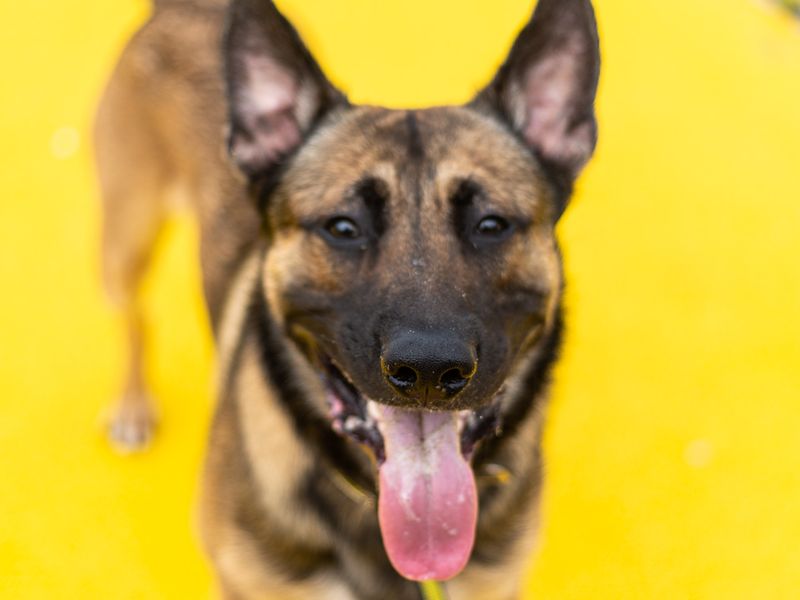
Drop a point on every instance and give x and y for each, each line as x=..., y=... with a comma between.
x=673, y=447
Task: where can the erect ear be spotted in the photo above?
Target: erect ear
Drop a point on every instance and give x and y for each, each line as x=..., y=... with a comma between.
x=276, y=90
x=545, y=89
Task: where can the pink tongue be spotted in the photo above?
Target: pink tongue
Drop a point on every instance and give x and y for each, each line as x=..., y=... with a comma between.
x=427, y=506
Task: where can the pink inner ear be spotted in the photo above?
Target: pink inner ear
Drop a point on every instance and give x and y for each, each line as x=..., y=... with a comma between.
x=272, y=137
x=550, y=90
x=268, y=109
x=548, y=86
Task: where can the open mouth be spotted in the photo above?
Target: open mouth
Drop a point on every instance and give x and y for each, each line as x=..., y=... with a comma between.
x=427, y=504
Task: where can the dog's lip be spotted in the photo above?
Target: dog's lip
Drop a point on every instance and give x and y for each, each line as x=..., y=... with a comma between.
x=354, y=415
x=347, y=409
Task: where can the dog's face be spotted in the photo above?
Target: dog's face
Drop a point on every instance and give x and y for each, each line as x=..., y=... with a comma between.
x=411, y=254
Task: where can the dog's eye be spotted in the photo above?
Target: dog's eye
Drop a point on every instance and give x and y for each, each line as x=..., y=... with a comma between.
x=342, y=228
x=492, y=227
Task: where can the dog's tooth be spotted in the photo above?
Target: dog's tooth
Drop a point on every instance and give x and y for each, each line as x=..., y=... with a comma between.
x=352, y=423
x=373, y=410
x=463, y=420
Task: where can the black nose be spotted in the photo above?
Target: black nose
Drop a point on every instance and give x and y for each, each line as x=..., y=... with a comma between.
x=428, y=366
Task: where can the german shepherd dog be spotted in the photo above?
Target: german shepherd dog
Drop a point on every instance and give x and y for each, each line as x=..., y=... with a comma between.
x=384, y=288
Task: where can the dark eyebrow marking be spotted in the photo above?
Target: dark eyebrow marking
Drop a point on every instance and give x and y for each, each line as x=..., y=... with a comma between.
x=374, y=192
x=416, y=149
x=462, y=200
x=466, y=192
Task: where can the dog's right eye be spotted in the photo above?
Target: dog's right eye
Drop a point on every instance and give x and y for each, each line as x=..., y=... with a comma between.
x=342, y=229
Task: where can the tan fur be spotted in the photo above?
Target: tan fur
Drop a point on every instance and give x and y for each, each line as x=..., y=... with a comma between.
x=462, y=144
x=160, y=136
x=146, y=121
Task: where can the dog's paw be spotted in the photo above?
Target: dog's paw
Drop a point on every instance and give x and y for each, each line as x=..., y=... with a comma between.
x=132, y=424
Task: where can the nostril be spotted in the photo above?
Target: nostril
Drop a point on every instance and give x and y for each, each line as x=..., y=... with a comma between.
x=452, y=381
x=403, y=378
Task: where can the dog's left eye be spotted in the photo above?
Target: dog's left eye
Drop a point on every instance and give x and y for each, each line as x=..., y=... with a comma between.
x=492, y=227
x=342, y=228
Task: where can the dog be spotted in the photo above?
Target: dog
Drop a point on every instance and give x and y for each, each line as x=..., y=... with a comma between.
x=384, y=288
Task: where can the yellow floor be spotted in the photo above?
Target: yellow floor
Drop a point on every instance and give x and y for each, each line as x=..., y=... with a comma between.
x=674, y=437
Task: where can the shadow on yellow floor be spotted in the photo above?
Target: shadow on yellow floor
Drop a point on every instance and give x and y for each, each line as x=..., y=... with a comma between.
x=672, y=447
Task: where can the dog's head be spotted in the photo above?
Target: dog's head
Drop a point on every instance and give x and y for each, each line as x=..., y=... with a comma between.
x=411, y=254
